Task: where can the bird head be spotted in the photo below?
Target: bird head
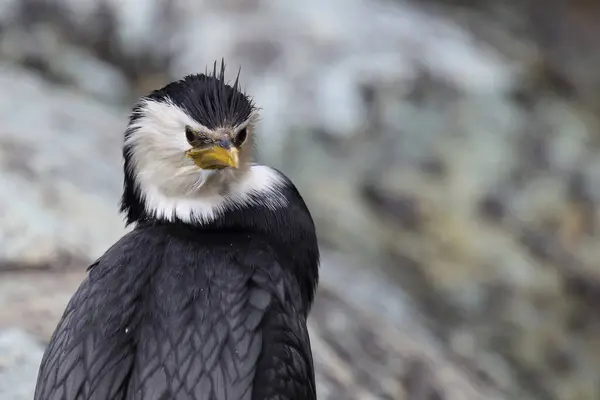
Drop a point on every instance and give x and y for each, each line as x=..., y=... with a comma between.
x=190, y=141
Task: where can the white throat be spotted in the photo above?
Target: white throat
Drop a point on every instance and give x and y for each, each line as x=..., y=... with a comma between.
x=260, y=185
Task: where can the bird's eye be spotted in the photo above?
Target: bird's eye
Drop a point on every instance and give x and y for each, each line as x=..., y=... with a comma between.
x=240, y=138
x=190, y=135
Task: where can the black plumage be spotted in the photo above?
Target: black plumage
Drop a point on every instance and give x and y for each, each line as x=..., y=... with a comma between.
x=211, y=311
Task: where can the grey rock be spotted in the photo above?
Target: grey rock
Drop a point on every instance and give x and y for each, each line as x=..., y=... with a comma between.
x=20, y=356
x=390, y=353
x=61, y=172
x=44, y=48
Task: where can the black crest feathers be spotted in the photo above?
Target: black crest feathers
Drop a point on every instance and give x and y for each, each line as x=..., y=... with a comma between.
x=208, y=98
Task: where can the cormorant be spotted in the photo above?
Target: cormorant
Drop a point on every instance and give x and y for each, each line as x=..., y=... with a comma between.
x=207, y=297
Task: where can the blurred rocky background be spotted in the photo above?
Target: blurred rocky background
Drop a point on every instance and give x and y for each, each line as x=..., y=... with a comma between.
x=447, y=149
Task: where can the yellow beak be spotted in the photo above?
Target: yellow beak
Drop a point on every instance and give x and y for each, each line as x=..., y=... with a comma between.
x=216, y=157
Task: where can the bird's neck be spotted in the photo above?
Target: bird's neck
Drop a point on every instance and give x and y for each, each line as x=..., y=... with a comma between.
x=266, y=204
x=289, y=230
x=143, y=200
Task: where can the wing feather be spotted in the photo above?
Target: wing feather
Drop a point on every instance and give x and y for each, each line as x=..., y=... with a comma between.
x=78, y=363
x=173, y=324
x=285, y=369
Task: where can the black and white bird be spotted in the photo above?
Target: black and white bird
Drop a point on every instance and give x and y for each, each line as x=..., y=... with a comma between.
x=207, y=297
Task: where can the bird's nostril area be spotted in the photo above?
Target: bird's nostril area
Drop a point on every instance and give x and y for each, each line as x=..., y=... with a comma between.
x=225, y=143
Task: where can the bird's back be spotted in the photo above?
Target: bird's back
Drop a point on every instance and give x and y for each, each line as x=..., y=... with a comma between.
x=168, y=313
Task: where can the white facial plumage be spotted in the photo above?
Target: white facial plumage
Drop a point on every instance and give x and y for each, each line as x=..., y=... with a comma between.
x=172, y=187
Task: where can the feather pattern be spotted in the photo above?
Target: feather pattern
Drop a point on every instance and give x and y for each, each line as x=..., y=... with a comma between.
x=166, y=315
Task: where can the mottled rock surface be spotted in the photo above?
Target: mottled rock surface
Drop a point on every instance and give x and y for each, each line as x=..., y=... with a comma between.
x=61, y=173
x=450, y=147
x=20, y=356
